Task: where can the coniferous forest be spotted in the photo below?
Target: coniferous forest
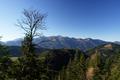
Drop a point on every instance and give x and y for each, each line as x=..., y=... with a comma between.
x=99, y=63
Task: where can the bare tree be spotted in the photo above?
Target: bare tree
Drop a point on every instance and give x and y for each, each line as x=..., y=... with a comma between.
x=32, y=22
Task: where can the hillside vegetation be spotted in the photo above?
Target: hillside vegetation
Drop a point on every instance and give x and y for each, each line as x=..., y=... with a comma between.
x=100, y=63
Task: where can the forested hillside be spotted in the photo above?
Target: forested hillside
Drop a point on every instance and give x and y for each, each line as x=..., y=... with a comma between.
x=100, y=63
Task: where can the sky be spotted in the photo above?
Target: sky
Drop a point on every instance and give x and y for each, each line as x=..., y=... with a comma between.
x=98, y=19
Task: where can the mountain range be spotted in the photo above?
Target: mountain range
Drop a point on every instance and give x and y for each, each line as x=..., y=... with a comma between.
x=58, y=42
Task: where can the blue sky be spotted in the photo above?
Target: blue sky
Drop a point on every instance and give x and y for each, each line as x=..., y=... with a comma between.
x=98, y=19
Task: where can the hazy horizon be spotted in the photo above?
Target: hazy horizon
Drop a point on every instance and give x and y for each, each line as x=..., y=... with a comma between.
x=57, y=36
x=97, y=19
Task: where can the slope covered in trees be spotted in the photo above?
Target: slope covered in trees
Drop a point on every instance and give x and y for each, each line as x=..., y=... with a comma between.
x=100, y=63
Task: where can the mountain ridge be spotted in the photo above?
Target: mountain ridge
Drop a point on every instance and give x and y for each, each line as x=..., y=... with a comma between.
x=58, y=42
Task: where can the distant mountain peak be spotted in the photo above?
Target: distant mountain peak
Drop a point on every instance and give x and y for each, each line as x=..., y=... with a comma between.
x=117, y=42
x=88, y=39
